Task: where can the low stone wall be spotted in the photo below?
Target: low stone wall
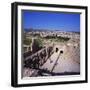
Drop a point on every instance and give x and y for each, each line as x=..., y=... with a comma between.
x=39, y=58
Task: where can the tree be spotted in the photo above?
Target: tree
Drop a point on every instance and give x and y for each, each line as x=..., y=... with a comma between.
x=37, y=45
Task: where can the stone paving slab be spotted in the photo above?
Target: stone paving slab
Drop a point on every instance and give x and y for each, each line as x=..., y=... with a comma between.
x=66, y=62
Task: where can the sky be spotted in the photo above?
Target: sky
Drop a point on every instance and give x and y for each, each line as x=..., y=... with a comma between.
x=51, y=20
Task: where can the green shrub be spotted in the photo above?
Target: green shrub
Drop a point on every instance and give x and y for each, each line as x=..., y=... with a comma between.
x=37, y=45
x=27, y=41
x=59, y=39
x=38, y=42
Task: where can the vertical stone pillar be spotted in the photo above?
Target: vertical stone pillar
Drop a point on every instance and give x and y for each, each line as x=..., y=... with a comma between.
x=32, y=44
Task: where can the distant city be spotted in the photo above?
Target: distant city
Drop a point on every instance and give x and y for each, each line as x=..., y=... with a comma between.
x=41, y=30
x=45, y=33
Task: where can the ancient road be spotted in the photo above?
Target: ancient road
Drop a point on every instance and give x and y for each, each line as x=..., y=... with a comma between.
x=65, y=62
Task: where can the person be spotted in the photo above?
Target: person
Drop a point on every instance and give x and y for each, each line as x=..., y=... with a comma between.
x=61, y=52
x=56, y=49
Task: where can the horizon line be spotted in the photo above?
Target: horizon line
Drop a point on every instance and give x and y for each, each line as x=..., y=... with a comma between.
x=40, y=29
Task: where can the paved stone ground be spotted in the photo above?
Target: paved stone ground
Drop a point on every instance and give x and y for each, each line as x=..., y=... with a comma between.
x=69, y=61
